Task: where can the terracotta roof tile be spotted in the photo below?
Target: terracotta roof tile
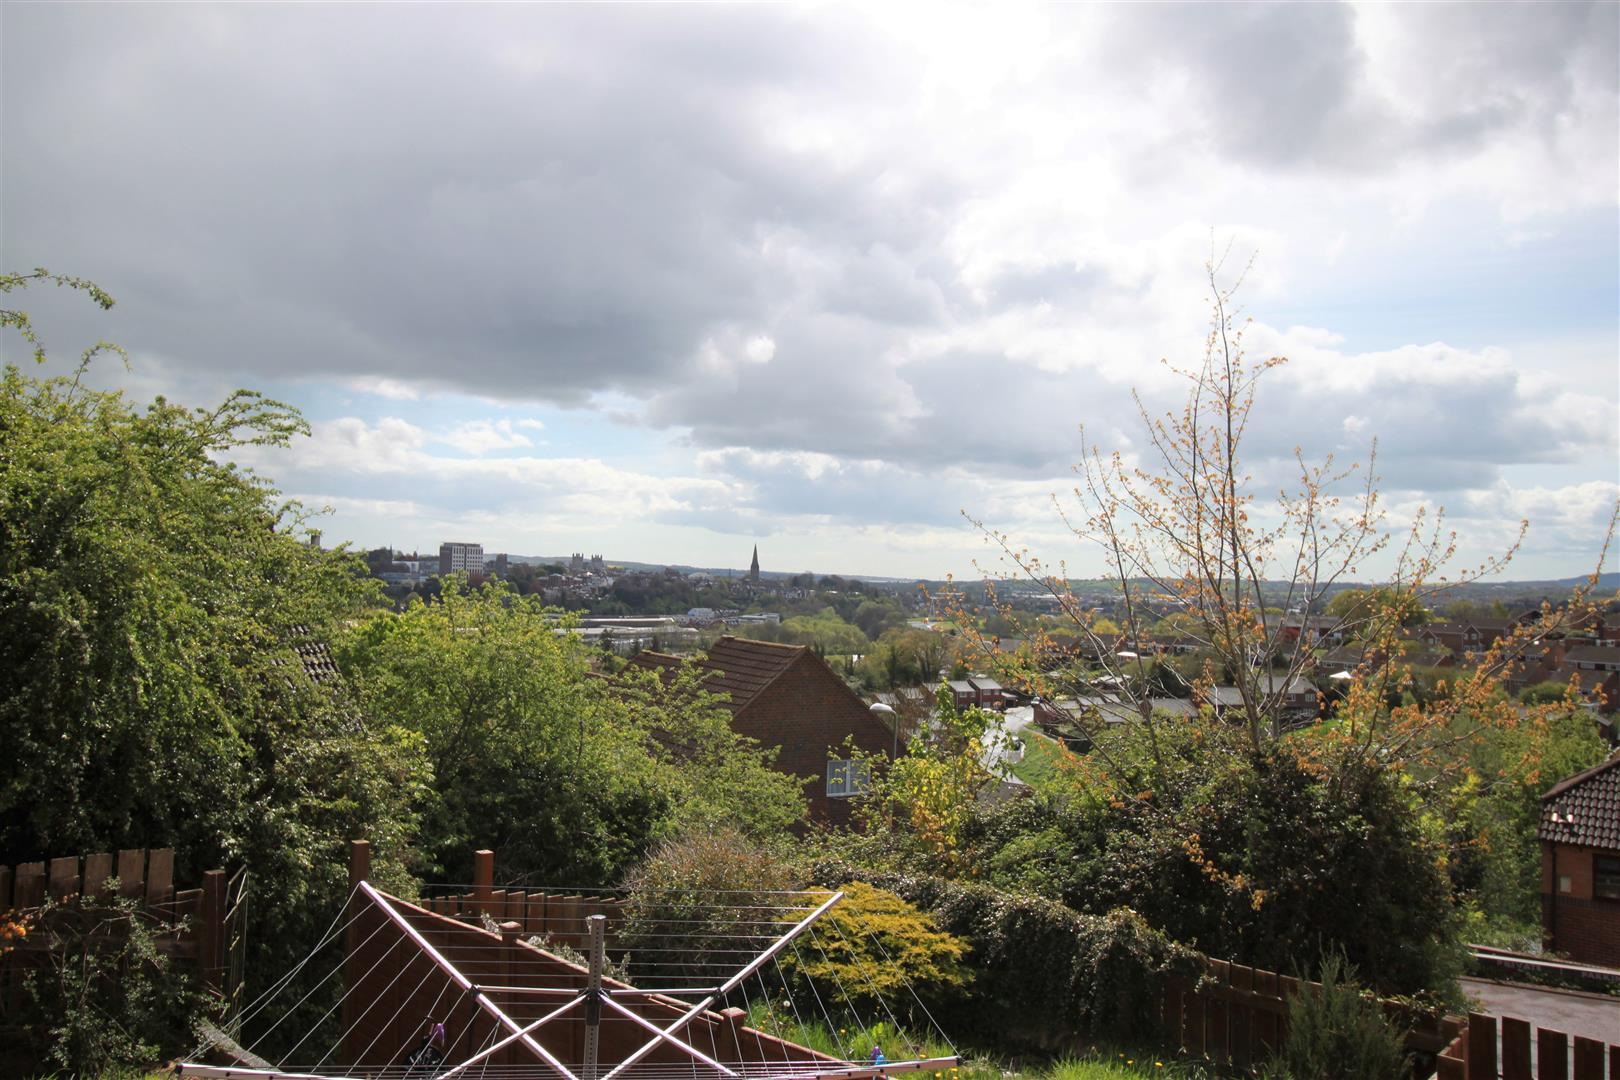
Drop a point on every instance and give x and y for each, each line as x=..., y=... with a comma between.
x=1585, y=809
x=741, y=667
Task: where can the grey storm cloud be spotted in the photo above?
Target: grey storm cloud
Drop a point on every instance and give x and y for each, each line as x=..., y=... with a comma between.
x=540, y=202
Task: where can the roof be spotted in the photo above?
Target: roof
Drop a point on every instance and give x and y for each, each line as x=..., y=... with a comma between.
x=313, y=655
x=1593, y=654
x=1232, y=697
x=1585, y=809
x=740, y=668
x=983, y=682
x=961, y=686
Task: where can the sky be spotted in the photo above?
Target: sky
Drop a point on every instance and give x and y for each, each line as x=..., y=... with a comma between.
x=667, y=282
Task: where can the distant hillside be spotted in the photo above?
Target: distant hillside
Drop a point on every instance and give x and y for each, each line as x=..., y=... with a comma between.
x=1493, y=590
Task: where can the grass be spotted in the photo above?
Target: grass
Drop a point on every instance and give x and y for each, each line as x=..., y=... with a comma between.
x=855, y=1044
x=1043, y=759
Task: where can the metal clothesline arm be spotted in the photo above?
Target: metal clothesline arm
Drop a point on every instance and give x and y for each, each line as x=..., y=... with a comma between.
x=661, y=1034
x=479, y=997
x=759, y=961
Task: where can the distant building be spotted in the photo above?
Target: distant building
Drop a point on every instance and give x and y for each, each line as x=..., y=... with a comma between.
x=459, y=558
x=753, y=567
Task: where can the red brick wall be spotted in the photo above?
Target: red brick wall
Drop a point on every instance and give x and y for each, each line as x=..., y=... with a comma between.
x=1585, y=927
x=808, y=711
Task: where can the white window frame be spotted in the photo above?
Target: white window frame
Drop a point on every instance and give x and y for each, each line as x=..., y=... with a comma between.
x=847, y=779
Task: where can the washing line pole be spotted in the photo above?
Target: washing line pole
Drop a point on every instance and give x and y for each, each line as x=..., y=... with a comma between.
x=597, y=927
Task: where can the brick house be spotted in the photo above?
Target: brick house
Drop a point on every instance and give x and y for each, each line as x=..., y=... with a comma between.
x=786, y=696
x=1580, y=865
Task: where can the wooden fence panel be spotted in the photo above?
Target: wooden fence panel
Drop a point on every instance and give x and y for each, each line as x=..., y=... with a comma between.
x=1552, y=1054
x=5, y=887
x=97, y=869
x=1243, y=1016
x=159, y=876
x=1515, y=1049
x=1268, y=1025
x=1482, y=1045
x=63, y=877
x=1216, y=1012
x=132, y=872
x=1588, y=1059
x=30, y=884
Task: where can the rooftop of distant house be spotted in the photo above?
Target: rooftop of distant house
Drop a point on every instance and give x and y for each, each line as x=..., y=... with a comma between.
x=1585, y=809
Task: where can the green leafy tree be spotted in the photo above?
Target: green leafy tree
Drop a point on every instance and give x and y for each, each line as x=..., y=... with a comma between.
x=568, y=777
x=927, y=795
x=152, y=597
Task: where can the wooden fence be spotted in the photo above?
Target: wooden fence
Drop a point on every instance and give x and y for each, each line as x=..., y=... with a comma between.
x=560, y=917
x=1489, y=1048
x=1238, y=1015
x=213, y=914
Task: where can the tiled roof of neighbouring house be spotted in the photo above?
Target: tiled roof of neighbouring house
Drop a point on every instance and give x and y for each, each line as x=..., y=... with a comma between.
x=741, y=668
x=1585, y=809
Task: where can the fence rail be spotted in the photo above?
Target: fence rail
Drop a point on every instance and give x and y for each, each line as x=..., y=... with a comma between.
x=1507, y=1048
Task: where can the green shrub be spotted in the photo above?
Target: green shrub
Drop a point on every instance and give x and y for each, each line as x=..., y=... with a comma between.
x=1041, y=970
x=1340, y=1033
x=696, y=898
x=874, y=945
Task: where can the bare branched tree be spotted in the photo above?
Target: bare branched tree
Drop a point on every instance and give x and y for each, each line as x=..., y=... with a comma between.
x=1184, y=535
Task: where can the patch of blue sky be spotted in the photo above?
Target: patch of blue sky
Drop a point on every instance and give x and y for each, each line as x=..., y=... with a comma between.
x=604, y=430
x=1464, y=278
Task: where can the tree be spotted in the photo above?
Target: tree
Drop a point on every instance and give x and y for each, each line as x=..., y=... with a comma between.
x=568, y=777
x=1185, y=530
x=930, y=791
x=1245, y=822
x=152, y=599
x=1361, y=606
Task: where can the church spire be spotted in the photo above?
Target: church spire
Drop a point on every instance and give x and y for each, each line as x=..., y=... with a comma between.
x=753, y=567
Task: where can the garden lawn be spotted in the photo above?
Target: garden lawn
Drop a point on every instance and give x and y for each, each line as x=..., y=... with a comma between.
x=1043, y=759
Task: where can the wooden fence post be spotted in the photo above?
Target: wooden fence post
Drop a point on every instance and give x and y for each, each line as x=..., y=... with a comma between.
x=484, y=879
x=353, y=970
x=211, y=934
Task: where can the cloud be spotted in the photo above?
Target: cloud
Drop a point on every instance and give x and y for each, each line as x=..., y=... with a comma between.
x=479, y=437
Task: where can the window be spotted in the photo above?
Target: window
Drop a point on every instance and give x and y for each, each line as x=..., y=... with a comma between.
x=846, y=778
x=1606, y=877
